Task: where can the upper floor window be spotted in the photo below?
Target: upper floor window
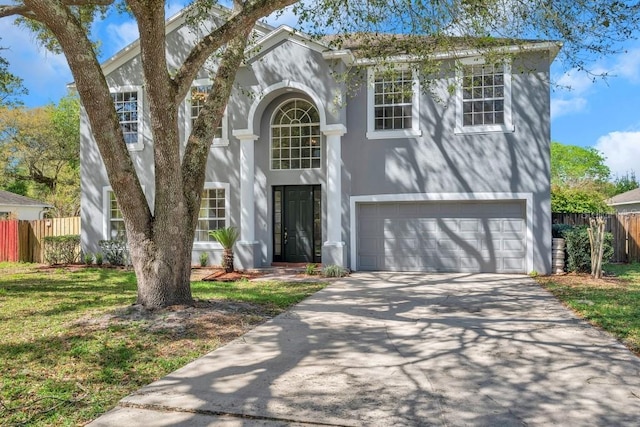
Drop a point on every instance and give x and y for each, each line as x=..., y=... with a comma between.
x=484, y=97
x=199, y=95
x=128, y=105
x=295, y=136
x=393, y=104
x=213, y=211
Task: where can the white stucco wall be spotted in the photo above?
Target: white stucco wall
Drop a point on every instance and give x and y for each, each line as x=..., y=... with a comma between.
x=25, y=213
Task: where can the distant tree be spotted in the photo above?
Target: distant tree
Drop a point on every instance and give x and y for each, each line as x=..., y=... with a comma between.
x=39, y=153
x=624, y=183
x=11, y=87
x=572, y=165
x=579, y=179
x=577, y=200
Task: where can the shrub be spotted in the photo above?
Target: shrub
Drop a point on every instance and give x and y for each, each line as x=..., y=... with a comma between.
x=310, y=269
x=579, y=249
x=334, y=271
x=204, y=259
x=99, y=258
x=62, y=249
x=227, y=237
x=115, y=251
x=88, y=258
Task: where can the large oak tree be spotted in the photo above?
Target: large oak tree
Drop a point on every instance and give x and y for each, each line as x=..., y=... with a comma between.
x=160, y=243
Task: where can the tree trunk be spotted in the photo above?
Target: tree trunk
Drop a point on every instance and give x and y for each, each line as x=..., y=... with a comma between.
x=227, y=260
x=163, y=269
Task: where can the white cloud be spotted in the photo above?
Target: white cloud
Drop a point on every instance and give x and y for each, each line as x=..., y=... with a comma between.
x=45, y=74
x=628, y=65
x=562, y=107
x=575, y=87
x=576, y=82
x=622, y=151
x=122, y=34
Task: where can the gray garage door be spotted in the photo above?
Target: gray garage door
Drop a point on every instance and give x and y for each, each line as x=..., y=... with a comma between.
x=442, y=236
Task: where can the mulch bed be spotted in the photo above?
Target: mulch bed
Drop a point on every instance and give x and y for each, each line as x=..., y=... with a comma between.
x=219, y=275
x=581, y=279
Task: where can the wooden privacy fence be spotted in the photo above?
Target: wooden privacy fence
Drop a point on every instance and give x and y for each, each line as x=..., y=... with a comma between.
x=23, y=240
x=624, y=227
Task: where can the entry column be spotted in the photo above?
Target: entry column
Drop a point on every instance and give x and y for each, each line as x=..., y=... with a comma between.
x=247, y=246
x=333, y=249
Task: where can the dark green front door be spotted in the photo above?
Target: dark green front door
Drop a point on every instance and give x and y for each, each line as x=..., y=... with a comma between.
x=297, y=223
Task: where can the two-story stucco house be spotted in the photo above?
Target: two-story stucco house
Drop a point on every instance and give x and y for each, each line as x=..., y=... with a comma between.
x=386, y=179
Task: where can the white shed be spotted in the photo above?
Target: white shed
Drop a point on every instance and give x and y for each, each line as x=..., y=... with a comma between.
x=21, y=207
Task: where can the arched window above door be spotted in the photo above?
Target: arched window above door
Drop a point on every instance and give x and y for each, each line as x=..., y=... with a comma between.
x=295, y=136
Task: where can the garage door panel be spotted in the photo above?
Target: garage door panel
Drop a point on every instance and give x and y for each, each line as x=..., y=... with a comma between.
x=448, y=225
x=442, y=236
x=512, y=226
x=408, y=227
x=469, y=264
x=513, y=265
x=368, y=262
x=511, y=245
x=469, y=225
x=371, y=246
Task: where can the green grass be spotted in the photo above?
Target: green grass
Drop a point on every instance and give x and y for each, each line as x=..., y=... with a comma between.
x=62, y=364
x=612, y=304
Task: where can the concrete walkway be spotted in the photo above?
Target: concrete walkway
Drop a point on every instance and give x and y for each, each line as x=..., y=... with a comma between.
x=382, y=349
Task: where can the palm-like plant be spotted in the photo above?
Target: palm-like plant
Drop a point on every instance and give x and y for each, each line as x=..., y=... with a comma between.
x=227, y=237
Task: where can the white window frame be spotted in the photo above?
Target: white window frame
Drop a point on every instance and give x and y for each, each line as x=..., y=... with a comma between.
x=137, y=146
x=106, y=211
x=212, y=186
x=507, y=127
x=223, y=141
x=320, y=139
x=414, y=131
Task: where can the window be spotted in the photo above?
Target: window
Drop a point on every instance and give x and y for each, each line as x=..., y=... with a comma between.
x=128, y=108
x=295, y=136
x=115, y=222
x=393, y=104
x=199, y=94
x=484, y=97
x=213, y=211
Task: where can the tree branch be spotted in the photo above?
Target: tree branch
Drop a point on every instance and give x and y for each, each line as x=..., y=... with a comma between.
x=237, y=22
x=22, y=10
x=199, y=142
x=6, y=10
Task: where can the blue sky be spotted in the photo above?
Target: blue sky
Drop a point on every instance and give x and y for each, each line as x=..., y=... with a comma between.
x=604, y=114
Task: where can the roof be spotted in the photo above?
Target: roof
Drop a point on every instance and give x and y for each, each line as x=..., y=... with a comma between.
x=12, y=199
x=632, y=196
x=171, y=24
x=363, y=45
x=357, y=45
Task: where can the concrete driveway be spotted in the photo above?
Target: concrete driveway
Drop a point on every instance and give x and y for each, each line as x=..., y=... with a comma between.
x=384, y=349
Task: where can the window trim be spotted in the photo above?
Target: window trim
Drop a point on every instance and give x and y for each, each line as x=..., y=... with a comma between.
x=138, y=146
x=508, y=126
x=212, y=185
x=217, y=142
x=106, y=211
x=320, y=136
x=415, y=130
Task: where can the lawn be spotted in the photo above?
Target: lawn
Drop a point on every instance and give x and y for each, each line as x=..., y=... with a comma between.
x=612, y=303
x=72, y=344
